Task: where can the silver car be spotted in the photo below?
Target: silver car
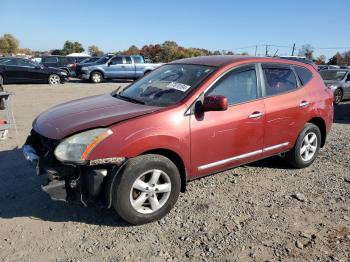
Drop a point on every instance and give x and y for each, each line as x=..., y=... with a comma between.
x=339, y=81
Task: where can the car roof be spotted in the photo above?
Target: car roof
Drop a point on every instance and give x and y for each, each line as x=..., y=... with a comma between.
x=337, y=69
x=223, y=60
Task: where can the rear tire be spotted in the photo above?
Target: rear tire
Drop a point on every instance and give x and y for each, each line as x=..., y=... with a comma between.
x=338, y=96
x=96, y=77
x=147, y=189
x=306, y=147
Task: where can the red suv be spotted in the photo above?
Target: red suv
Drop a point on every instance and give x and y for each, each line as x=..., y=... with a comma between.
x=187, y=119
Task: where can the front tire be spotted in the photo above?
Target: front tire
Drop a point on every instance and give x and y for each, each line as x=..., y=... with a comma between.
x=147, y=189
x=96, y=77
x=54, y=79
x=306, y=147
x=338, y=96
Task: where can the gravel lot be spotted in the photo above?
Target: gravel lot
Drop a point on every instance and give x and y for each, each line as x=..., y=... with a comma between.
x=264, y=211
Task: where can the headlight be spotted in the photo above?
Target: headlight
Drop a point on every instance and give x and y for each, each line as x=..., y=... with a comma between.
x=332, y=86
x=77, y=148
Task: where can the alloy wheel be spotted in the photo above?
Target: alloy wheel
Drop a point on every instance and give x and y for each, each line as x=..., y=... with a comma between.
x=308, y=146
x=150, y=191
x=54, y=79
x=97, y=78
x=338, y=95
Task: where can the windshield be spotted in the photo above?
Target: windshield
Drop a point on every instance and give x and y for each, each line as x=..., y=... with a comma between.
x=167, y=85
x=332, y=75
x=103, y=60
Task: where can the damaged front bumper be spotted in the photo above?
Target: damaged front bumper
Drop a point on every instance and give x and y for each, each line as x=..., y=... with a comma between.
x=65, y=181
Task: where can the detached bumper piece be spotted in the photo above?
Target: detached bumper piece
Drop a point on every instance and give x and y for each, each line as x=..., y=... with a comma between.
x=56, y=190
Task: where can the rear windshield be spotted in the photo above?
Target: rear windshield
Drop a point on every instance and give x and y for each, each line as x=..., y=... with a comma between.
x=167, y=85
x=333, y=74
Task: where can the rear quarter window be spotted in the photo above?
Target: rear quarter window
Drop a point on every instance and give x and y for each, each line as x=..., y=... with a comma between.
x=304, y=74
x=50, y=60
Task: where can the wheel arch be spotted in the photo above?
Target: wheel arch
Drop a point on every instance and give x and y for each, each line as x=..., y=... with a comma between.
x=321, y=124
x=176, y=159
x=97, y=70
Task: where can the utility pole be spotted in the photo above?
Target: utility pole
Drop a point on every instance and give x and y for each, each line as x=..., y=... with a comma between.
x=256, y=50
x=266, y=50
x=293, y=49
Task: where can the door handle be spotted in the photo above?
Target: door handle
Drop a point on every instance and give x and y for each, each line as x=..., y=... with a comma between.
x=256, y=115
x=123, y=66
x=304, y=103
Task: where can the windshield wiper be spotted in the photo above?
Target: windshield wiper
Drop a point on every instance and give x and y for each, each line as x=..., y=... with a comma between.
x=130, y=99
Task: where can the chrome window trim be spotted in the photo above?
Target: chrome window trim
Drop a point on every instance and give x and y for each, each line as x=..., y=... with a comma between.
x=235, y=158
x=259, y=83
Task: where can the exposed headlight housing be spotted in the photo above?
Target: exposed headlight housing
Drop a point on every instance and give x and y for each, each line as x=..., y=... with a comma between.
x=332, y=87
x=76, y=149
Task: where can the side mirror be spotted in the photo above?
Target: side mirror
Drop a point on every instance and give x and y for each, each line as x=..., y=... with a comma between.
x=214, y=103
x=109, y=63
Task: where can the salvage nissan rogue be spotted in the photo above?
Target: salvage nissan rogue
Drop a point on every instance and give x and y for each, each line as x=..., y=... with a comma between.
x=187, y=119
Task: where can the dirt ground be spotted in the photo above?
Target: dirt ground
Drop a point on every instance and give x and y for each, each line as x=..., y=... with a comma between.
x=263, y=211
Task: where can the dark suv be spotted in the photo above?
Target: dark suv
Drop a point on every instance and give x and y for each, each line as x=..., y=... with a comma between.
x=67, y=63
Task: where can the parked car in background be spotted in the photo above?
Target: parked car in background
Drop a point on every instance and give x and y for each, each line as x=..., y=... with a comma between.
x=116, y=67
x=338, y=80
x=67, y=63
x=187, y=119
x=21, y=70
x=301, y=59
x=325, y=67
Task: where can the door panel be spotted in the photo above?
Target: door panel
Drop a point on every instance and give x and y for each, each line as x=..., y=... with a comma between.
x=15, y=74
x=116, y=68
x=228, y=136
x=129, y=67
x=222, y=139
x=287, y=109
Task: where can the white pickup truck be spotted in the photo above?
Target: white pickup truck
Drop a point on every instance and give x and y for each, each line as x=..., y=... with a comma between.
x=115, y=67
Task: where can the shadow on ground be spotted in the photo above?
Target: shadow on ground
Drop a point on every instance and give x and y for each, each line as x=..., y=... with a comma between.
x=342, y=113
x=77, y=80
x=21, y=196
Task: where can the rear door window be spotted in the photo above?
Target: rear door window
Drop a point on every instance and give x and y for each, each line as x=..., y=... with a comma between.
x=128, y=60
x=50, y=60
x=279, y=79
x=9, y=62
x=238, y=86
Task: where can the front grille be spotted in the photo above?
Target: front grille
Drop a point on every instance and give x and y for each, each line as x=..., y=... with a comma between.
x=44, y=147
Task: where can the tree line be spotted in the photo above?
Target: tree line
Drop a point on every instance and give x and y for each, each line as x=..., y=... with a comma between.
x=165, y=52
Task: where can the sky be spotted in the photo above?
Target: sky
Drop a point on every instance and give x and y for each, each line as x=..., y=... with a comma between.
x=211, y=24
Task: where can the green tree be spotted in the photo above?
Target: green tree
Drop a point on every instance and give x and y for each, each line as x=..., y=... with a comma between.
x=8, y=44
x=72, y=47
x=94, y=51
x=78, y=47
x=337, y=59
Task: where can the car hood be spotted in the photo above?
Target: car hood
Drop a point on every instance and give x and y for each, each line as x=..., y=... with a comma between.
x=97, y=111
x=332, y=82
